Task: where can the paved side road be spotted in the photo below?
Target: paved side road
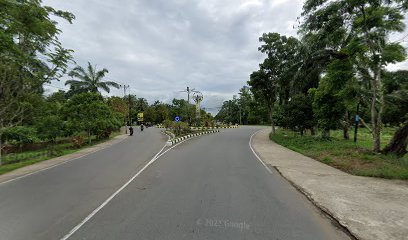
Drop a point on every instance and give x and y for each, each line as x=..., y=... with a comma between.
x=47, y=204
x=370, y=208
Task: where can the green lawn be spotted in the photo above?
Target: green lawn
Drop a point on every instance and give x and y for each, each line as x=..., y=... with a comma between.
x=357, y=159
x=14, y=161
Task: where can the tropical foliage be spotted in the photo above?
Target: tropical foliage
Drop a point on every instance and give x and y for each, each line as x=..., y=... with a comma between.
x=335, y=66
x=89, y=80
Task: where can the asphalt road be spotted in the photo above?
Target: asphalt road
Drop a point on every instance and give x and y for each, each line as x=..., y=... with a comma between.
x=210, y=187
x=46, y=205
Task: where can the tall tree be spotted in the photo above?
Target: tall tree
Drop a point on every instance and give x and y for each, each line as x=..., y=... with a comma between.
x=396, y=97
x=273, y=81
x=90, y=80
x=245, y=102
x=229, y=112
x=264, y=88
x=363, y=28
x=30, y=55
x=329, y=103
x=88, y=112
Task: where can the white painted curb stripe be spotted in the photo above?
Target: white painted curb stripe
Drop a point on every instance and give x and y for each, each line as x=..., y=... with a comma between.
x=256, y=155
x=177, y=140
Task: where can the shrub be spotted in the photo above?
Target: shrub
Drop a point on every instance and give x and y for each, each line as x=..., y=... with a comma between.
x=168, y=124
x=180, y=128
x=50, y=127
x=104, y=134
x=77, y=141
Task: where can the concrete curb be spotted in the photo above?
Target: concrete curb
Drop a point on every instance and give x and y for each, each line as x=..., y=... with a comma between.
x=169, y=134
x=367, y=208
x=53, y=162
x=211, y=128
x=177, y=140
x=203, y=128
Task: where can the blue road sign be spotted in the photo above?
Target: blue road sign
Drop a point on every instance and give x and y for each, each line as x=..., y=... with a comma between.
x=177, y=119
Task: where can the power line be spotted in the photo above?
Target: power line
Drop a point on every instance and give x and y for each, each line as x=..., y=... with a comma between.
x=402, y=39
x=189, y=91
x=60, y=88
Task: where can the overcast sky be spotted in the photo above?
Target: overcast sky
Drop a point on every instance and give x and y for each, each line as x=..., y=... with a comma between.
x=159, y=47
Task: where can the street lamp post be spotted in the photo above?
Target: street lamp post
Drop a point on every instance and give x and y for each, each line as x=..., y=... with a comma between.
x=125, y=87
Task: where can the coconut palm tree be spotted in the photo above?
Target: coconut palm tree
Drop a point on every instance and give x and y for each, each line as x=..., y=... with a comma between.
x=89, y=80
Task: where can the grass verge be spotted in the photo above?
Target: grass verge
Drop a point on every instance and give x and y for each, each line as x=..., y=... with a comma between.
x=356, y=159
x=18, y=160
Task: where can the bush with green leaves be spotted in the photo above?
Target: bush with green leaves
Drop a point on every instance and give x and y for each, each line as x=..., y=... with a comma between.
x=181, y=128
x=20, y=135
x=90, y=113
x=50, y=127
x=297, y=114
x=168, y=124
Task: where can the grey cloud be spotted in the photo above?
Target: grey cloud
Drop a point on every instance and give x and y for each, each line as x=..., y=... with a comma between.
x=159, y=47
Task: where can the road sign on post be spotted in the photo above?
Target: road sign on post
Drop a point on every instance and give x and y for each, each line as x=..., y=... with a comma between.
x=140, y=117
x=177, y=119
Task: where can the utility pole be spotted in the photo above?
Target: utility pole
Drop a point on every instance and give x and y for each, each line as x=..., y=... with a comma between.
x=125, y=87
x=189, y=91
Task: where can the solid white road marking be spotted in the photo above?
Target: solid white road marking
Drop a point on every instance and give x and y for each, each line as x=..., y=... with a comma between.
x=110, y=198
x=256, y=155
x=157, y=156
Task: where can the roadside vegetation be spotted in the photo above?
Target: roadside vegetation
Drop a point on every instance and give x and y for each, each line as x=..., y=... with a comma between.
x=357, y=159
x=35, y=124
x=180, y=129
x=331, y=77
x=62, y=147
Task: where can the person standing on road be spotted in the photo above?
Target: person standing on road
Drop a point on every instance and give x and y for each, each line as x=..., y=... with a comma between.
x=131, y=131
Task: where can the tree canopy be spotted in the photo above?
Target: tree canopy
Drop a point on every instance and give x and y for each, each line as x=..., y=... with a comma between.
x=89, y=80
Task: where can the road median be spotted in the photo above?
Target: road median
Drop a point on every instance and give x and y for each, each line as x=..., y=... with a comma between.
x=369, y=208
x=175, y=140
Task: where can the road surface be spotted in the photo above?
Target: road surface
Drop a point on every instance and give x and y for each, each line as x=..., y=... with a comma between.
x=210, y=187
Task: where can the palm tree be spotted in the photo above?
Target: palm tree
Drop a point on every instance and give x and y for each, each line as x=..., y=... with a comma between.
x=90, y=80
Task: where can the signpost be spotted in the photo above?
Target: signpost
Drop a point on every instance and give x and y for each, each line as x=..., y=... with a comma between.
x=140, y=117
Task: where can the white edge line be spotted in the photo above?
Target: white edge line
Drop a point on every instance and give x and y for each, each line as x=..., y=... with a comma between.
x=256, y=155
x=58, y=164
x=157, y=156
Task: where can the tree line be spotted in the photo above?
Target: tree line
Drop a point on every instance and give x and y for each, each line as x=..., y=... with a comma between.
x=332, y=71
x=31, y=56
